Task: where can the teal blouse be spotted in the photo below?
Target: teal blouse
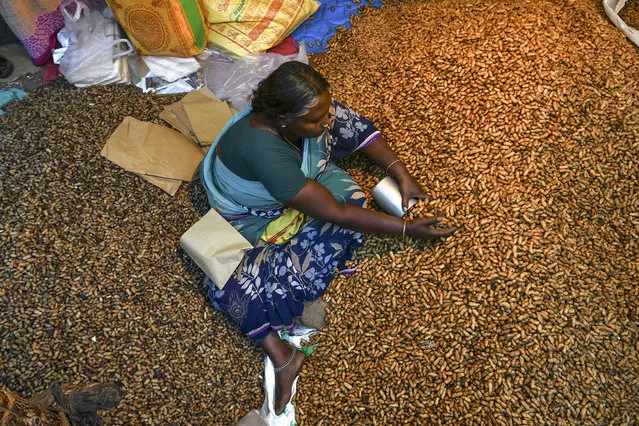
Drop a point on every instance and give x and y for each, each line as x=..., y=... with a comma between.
x=260, y=156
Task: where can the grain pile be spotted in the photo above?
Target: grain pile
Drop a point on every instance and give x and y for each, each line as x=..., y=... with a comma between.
x=520, y=118
x=630, y=13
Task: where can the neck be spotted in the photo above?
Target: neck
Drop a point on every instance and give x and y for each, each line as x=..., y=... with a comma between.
x=260, y=121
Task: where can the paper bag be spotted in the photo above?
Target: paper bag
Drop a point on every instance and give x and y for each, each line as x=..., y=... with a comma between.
x=199, y=115
x=160, y=155
x=215, y=246
x=171, y=186
x=207, y=119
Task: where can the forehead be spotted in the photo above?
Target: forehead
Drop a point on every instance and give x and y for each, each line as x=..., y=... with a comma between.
x=320, y=109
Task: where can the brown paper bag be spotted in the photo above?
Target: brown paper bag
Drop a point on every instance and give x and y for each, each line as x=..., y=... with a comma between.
x=199, y=115
x=171, y=186
x=160, y=155
x=215, y=246
x=207, y=119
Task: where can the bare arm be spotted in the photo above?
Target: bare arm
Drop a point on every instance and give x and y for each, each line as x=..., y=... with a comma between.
x=316, y=201
x=383, y=156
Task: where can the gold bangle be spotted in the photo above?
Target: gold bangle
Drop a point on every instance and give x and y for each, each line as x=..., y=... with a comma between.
x=404, y=231
x=391, y=165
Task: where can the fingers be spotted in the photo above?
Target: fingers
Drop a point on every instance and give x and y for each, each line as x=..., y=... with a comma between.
x=444, y=233
x=430, y=221
x=405, y=199
x=427, y=233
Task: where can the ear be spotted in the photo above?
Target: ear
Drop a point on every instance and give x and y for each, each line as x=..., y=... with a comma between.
x=282, y=121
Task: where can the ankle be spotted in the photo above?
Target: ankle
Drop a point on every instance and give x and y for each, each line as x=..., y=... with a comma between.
x=287, y=363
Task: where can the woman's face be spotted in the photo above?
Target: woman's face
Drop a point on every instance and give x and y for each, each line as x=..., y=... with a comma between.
x=314, y=122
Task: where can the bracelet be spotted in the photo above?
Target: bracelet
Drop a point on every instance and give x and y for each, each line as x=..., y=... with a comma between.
x=404, y=231
x=391, y=165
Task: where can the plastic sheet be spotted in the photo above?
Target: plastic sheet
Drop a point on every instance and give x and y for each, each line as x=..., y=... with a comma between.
x=234, y=80
x=316, y=31
x=267, y=412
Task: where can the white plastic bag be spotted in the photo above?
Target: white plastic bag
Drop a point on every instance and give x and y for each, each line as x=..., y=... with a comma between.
x=96, y=52
x=170, y=68
x=267, y=412
x=234, y=80
x=168, y=74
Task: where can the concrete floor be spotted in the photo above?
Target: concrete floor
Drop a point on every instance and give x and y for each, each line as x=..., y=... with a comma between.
x=25, y=75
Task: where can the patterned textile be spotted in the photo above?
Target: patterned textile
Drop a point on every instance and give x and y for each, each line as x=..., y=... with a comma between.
x=162, y=27
x=36, y=23
x=274, y=281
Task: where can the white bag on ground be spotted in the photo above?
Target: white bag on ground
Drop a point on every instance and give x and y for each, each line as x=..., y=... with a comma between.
x=266, y=415
x=267, y=412
x=612, y=8
x=96, y=53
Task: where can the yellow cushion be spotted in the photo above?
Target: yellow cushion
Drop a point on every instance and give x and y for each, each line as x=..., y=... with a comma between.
x=240, y=27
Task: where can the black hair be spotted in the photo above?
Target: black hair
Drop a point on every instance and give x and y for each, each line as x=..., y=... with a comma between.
x=291, y=90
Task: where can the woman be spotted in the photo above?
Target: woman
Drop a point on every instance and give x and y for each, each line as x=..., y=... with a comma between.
x=270, y=174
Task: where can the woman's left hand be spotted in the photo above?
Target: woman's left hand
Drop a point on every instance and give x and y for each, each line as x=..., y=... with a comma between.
x=409, y=188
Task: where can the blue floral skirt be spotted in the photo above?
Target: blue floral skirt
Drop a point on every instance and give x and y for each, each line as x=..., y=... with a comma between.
x=274, y=281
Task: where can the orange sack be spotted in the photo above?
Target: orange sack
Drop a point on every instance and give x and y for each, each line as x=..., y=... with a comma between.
x=162, y=27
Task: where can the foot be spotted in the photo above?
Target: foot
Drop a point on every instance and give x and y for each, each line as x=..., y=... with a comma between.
x=284, y=382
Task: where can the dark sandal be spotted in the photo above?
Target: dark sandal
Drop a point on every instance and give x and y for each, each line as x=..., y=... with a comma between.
x=6, y=67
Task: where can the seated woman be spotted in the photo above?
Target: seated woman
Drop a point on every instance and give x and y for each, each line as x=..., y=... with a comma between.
x=270, y=174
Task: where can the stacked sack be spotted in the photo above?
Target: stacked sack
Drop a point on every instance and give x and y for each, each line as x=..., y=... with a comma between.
x=183, y=28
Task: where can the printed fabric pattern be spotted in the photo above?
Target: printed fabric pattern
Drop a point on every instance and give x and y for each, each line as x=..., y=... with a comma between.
x=35, y=23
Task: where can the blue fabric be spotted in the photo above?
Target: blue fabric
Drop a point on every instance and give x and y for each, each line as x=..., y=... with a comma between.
x=316, y=31
x=273, y=282
x=9, y=95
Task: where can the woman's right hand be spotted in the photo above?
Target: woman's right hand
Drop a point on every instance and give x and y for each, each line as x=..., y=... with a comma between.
x=422, y=229
x=316, y=201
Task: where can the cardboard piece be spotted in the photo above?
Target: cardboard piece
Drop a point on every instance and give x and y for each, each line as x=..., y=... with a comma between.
x=160, y=155
x=199, y=115
x=171, y=186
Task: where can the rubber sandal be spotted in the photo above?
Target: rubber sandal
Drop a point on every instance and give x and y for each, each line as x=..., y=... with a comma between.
x=6, y=67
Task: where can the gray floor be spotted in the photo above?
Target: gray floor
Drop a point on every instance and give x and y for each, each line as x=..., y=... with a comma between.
x=25, y=75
